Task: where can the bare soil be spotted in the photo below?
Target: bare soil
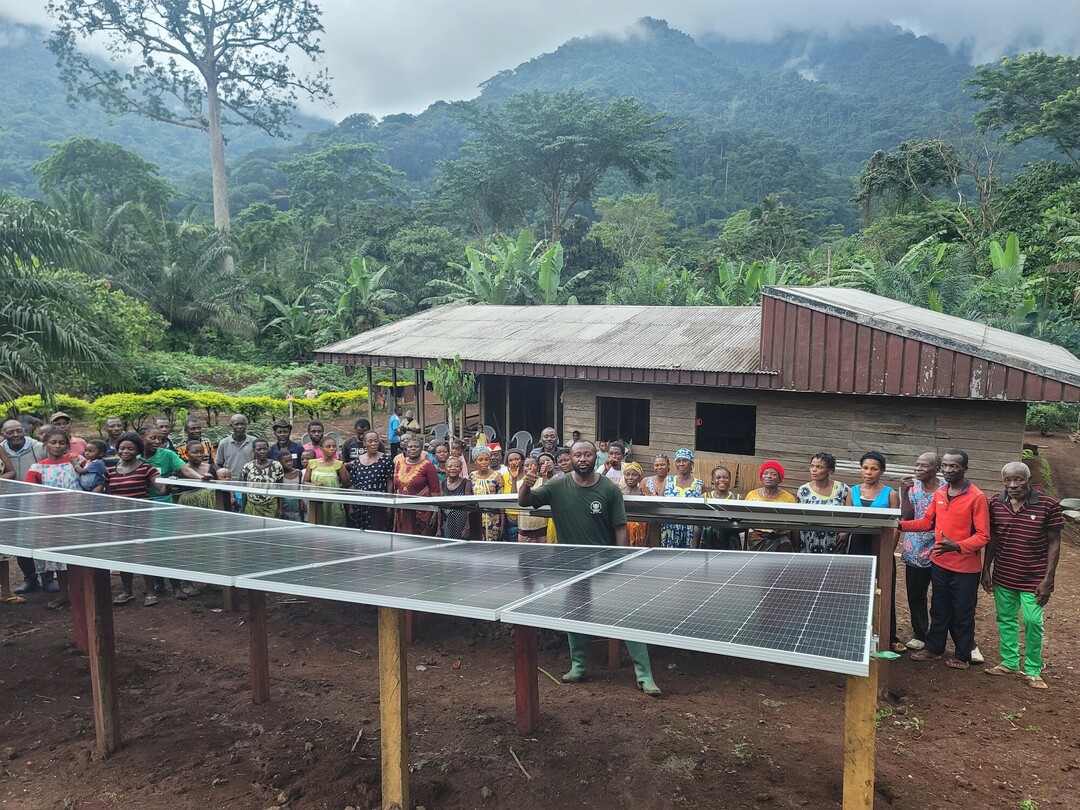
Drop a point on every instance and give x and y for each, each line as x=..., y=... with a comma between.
x=727, y=733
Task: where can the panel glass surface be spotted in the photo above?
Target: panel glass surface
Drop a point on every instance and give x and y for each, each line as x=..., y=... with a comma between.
x=69, y=502
x=465, y=579
x=798, y=604
x=11, y=487
x=220, y=558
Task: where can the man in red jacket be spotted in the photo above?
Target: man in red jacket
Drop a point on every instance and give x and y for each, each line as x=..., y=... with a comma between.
x=960, y=518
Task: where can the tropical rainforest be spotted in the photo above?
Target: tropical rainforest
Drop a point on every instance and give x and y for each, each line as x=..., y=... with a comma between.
x=649, y=169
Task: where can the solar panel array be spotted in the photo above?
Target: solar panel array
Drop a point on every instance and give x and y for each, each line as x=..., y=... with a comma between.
x=806, y=610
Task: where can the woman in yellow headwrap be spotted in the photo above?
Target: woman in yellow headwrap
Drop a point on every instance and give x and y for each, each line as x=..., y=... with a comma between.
x=631, y=481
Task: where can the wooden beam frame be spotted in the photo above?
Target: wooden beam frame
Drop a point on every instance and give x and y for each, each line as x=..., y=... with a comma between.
x=77, y=597
x=102, y=643
x=886, y=569
x=370, y=397
x=258, y=652
x=526, y=689
x=393, y=709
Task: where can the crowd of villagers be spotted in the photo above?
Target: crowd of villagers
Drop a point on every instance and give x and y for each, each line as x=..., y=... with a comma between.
x=1018, y=568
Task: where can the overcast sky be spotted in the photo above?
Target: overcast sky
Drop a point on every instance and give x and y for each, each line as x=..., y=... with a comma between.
x=388, y=56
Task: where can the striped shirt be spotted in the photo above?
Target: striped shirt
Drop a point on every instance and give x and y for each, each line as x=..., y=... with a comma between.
x=134, y=484
x=1022, y=539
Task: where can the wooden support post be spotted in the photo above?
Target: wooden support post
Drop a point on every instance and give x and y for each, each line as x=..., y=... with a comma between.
x=370, y=398
x=410, y=626
x=526, y=691
x=77, y=597
x=393, y=390
x=259, y=654
x=221, y=500
x=229, y=599
x=393, y=709
x=614, y=653
x=860, y=727
x=421, y=404
x=886, y=567
x=101, y=641
x=506, y=415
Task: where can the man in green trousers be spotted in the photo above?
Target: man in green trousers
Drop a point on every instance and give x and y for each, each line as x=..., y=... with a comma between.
x=588, y=509
x=1019, y=569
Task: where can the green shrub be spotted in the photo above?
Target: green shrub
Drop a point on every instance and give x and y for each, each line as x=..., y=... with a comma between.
x=34, y=405
x=1046, y=417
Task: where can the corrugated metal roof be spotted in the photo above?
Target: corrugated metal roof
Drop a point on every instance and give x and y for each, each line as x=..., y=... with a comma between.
x=719, y=339
x=935, y=328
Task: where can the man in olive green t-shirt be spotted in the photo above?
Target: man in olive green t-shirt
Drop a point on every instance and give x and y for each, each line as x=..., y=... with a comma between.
x=588, y=509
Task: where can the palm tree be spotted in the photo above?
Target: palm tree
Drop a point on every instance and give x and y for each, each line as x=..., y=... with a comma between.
x=45, y=328
x=358, y=301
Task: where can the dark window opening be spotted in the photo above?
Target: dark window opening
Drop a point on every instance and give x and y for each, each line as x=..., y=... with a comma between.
x=726, y=428
x=618, y=418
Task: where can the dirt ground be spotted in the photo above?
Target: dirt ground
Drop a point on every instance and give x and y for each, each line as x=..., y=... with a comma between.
x=727, y=733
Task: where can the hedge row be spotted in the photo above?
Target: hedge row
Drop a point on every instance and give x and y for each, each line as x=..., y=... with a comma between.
x=136, y=409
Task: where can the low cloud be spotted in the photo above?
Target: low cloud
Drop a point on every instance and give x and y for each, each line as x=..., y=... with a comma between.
x=401, y=57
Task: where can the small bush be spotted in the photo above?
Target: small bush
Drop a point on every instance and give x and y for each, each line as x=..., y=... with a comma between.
x=1046, y=417
x=35, y=406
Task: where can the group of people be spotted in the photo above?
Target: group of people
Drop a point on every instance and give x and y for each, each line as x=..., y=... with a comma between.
x=946, y=524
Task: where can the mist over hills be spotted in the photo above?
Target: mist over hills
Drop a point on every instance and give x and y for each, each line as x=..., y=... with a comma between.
x=798, y=116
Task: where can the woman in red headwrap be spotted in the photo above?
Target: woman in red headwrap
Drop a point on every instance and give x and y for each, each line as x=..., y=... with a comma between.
x=771, y=474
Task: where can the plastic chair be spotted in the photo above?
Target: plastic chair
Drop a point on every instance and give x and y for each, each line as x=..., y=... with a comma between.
x=522, y=440
x=489, y=431
x=440, y=432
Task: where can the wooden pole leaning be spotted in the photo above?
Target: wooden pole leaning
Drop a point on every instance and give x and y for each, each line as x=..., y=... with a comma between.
x=393, y=709
x=526, y=689
x=258, y=651
x=222, y=502
x=101, y=642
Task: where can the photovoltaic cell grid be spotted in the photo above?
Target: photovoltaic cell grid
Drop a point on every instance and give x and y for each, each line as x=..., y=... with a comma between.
x=68, y=502
x=475, y=580
x=800, y=609
x=219, y=559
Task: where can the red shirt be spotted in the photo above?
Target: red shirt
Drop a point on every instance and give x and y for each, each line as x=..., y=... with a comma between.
x=1022, y=539
x=962, y=518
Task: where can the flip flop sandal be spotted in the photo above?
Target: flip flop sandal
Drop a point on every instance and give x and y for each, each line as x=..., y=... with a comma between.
x=150, y=600
x=1001, y=669
x=13, y=600
x=899, y=647
x=1035, y=682
x=924, y=655
x=122, y=598
x=956, y=663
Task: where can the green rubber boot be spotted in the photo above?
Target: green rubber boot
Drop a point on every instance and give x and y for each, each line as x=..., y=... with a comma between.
x=577, y=659
x=639, y=654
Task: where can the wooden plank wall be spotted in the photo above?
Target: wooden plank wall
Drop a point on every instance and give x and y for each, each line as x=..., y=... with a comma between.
x=791, y=427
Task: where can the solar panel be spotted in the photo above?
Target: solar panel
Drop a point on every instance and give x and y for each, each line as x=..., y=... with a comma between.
x=475, y=580
x=309, y=491
x=218, y=559
x=9, y=486
x=800, y=609
x=69, y=502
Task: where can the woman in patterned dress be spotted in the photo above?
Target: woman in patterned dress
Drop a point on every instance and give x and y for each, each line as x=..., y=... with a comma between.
x=485, y=481
x=373, y=471
x=454, y=523
x=654, y=485
x=771, y=475
x=262, y=470
x=821, y=490
x=631, y=485
x=716, y=537
x=414, y=474
x=681, y=485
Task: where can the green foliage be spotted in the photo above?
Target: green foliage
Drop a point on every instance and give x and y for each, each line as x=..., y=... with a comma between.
x=417, y=254
x=633, y=226
x=36, y=406
x=325, y=180
x=740, y=284
x=1034, y=95
x=1046, y=417
x=109, y=171
x=563, y=144
x=454, y=388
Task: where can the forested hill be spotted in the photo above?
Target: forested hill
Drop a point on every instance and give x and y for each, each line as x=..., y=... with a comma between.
x=871, y=90
x=34, y=112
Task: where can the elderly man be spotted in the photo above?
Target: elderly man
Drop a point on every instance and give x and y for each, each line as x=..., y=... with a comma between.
x=1019, y=569
x=960, y=519
x=916, y=495
x=549, y=443
x=24, y=451
x=236, y=449
x=588, y=509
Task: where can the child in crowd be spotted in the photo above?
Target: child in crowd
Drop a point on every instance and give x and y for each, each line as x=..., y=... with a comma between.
x=292, y=508
x=55, y=470
x=200, y=463
x=92, y=473
x=328, y=471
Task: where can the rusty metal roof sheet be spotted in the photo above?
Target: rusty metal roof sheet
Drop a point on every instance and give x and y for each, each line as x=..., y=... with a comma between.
x=935, y=328
x=719, y=339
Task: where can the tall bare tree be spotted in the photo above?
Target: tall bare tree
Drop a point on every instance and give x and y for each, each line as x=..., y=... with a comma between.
x=195, y=61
